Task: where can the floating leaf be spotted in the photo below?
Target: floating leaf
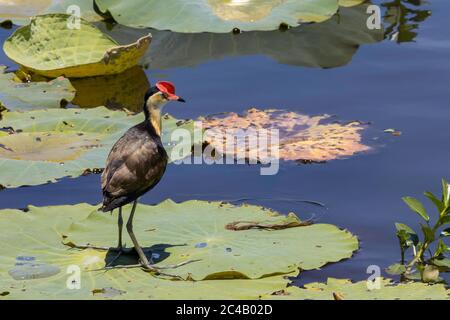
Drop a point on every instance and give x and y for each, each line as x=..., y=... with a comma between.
x=47, y=46
x=201, y=233
x=396, y=269
x=45, y=145
x=301, y=137
x=217, y=15
x=121, y=91
x=20, y=11
x=34, y=251
x=35, y=238
x=360, y=291
x=322, y=45
x=18, y=95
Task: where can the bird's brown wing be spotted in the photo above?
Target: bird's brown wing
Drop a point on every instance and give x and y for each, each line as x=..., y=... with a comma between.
x=135, y=164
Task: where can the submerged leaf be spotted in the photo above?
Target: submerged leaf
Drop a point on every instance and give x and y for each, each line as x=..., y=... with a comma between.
x=17, y=95
x=46, y=145
x=217, y=15
x=301, y=137
x=47, y=46
x=361, y=291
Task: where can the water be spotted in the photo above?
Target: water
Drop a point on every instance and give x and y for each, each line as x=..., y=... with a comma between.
x=402, y=86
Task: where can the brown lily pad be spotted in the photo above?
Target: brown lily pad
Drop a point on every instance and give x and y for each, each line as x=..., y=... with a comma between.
x=301, y=137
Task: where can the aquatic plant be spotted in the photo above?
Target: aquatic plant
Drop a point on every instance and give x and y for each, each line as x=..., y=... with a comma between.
x=429, y=250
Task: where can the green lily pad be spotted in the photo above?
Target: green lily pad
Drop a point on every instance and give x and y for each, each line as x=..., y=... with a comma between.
x=20, y=11
x=35, y=265
x=44, y=145
x=197, y=230
x=319, y=45
x=217, y=15
x=346, y=290
x=48, y=47
x=17, y=95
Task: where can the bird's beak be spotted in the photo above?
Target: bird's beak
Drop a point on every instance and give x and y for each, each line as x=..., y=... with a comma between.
x=176, y=98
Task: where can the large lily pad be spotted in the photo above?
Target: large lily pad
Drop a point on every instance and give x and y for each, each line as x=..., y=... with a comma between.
x=301, y=137
x=20, y=11
x=17, y=95
x=33, y=249
x=48, y=47
x=347, y=290
x=321, y=45
x=217, y=15
x=34, y=265
x=197, y=230
x=44, y=145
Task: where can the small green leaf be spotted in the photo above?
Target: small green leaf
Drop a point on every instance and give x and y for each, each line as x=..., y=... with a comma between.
x=440, y=249
x=438, y=203
x=405, y=233
x=428, y=233
x=445, y=263
x=396, y=269
x=417, y=207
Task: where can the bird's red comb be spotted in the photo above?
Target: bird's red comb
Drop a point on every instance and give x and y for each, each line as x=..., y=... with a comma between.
x=168, y=88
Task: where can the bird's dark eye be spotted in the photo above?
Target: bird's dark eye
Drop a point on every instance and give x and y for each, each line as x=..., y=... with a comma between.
x=165, y=96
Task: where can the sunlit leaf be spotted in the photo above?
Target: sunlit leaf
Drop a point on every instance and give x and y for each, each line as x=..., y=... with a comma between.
x=32, y=248
x=202, y=233
x=35, y=265
x=417, y=207
x=301, y=137
x=47, y=46
x=45, y=145
x=17, y=95
x=217, y=15
x=439, y=205
x=387, y=290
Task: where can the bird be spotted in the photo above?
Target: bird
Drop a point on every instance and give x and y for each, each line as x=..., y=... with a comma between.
x=137, y=162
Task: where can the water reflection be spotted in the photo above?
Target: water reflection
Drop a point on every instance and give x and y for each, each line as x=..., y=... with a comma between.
x=403, y=18
x=121, y=91
x=326, y=45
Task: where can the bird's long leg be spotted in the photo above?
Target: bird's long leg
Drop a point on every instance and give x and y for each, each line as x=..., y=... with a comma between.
x=137, y=247
x=119, y=245
x=120, y=225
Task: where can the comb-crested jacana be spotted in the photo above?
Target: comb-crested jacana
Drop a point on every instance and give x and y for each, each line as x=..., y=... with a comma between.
x=137, y=162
